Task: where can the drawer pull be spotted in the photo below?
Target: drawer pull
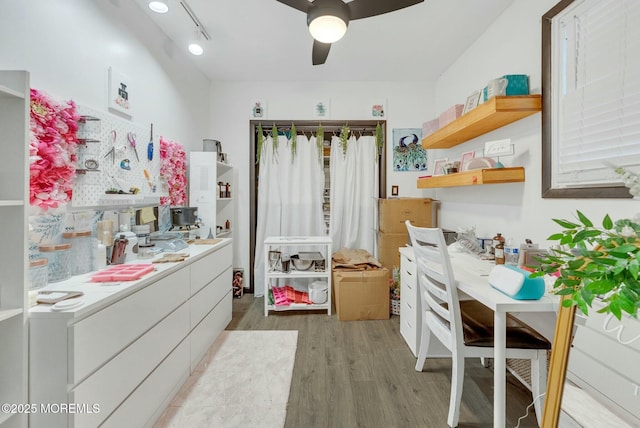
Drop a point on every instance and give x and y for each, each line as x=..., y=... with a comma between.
x=409, y=286
x=410, y=307
x=409, y=273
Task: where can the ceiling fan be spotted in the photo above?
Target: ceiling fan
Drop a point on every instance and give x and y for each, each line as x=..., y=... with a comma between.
x=328, y=19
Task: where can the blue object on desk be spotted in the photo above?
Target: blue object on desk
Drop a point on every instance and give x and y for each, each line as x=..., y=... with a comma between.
x=516, y=283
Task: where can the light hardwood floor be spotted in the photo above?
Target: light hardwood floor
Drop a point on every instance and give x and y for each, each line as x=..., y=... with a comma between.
x=361, y=374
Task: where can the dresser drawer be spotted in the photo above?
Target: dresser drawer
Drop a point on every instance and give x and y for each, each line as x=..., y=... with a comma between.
x=121, y=375
x=96, y=339
x=145, y=405
x=208, y=268
x=202, y=303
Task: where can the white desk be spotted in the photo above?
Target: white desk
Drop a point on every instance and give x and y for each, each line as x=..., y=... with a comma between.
x=472, y=276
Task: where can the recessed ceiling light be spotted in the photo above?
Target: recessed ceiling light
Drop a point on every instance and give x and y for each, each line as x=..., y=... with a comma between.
x=158, y=6
x=196, y=49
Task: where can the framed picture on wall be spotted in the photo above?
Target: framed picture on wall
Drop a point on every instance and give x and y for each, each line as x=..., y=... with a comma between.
x=120, y=87
x=408, y=154
x=258, y=109
x=377, y=109
x=322, y=109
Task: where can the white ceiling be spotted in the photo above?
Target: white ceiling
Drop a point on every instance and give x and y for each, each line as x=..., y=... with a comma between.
x=264, y=40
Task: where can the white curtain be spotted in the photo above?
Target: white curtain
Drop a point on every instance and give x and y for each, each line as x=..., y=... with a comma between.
x=290, y=193
x=354, y=192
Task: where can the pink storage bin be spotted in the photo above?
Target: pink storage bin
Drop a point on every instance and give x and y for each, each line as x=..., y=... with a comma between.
x=123, y=273
x=430, y=126
x=450, y=114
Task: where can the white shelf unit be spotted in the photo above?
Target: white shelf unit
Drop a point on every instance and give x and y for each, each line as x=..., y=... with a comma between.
x=292, y=245
x=14, y=197
x=204, y=174
x=224, y=205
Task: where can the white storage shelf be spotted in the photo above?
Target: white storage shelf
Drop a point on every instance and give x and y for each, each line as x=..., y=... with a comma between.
x=293, y=244
x=14, y=197
x=204, y=175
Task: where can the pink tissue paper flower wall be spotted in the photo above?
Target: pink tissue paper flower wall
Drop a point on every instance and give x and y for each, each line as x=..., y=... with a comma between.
x=173, y=167
x=52, y=150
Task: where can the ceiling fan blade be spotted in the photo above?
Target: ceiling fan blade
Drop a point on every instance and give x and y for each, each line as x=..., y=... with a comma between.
x=301, y=5
x=320, y=52
x=365, y=8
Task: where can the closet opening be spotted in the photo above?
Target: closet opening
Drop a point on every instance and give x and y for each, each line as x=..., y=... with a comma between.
x=307, y=127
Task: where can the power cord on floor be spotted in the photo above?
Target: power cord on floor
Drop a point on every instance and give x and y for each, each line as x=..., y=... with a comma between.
x=528, y=407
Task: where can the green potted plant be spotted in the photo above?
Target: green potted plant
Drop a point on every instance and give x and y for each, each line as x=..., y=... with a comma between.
x=599, y=261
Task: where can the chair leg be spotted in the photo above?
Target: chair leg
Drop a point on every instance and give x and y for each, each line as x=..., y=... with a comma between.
x=425, y=336
x=539, y=382
x=457, y=380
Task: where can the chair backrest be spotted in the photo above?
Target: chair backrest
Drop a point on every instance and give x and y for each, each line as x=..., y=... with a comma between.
x=437, y=284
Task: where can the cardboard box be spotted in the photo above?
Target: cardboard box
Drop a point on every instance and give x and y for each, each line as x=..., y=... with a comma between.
x=393, y=213
x=388, y=244
x=362, y=294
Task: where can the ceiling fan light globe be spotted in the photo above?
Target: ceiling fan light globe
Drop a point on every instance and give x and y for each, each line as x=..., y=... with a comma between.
x=327, y=28
x=158, y=6
x=196, y=49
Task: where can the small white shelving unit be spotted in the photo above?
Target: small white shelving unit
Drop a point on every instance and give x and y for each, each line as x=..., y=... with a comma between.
x=293, y=245
x=224, y=204
x=14, y=205
x=214, y=208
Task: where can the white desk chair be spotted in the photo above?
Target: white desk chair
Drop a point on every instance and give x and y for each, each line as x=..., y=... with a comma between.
x=466, y=327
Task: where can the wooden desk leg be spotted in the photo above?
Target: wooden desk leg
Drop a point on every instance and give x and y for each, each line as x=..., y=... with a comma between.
x=499, y=368
x=558, y=366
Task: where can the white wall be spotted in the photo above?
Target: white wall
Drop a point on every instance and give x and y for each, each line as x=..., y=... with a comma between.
x=407, y=106
x=512, y=45
x=68, y=45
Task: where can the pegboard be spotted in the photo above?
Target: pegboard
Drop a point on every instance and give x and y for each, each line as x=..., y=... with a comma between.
x=97, y=137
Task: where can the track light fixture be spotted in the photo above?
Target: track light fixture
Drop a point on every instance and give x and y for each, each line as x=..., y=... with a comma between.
x=195, y=47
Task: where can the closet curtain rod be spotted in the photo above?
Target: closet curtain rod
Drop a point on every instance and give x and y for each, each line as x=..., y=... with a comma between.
x=330, y=128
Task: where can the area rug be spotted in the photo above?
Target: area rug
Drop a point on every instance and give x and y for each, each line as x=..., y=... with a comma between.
x=243, y=381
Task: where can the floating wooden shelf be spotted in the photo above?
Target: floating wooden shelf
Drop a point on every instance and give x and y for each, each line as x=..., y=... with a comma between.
x=493, y=114
x=473, y=177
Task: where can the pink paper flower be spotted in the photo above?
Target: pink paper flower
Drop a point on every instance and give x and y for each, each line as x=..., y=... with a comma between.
x=173, y=167
x=52, y=150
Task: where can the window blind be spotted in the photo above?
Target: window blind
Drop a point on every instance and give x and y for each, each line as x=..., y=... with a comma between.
x=600, y=99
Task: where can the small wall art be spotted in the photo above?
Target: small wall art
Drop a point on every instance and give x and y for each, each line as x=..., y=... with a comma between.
x=258, y=109
x=377, y=110
x=408, y=154
x=120, y=87
x=322, y=109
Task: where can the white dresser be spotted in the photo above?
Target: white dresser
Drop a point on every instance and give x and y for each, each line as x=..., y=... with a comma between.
x=121, y=357
x=410, y=321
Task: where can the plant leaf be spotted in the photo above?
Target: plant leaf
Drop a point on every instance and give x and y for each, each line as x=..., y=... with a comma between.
x=555, y=237
x=623, y=249
x=584, y=220
x=607, y=223
x=585, y=234
x=566, y=224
